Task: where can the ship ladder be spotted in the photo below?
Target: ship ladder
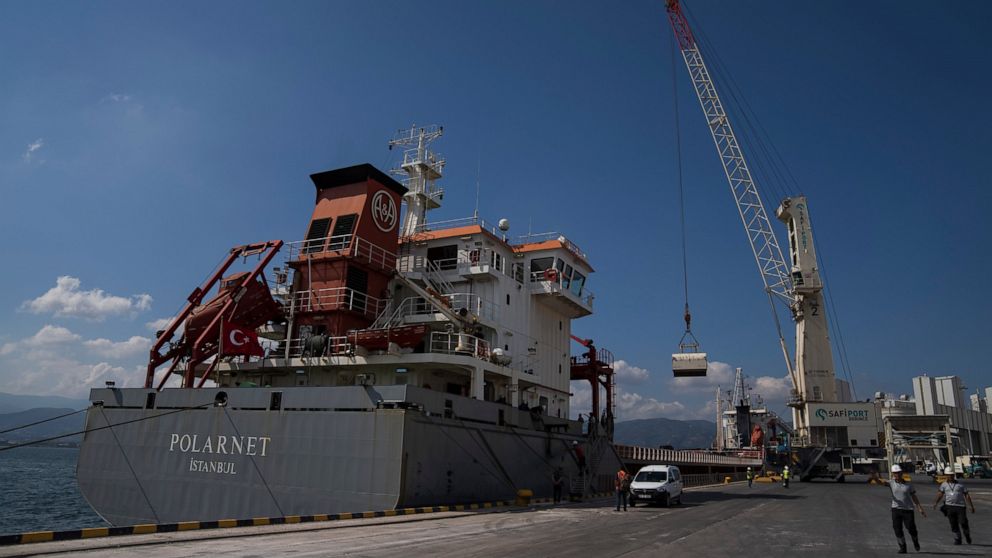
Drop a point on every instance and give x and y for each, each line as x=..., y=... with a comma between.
x=578, y=486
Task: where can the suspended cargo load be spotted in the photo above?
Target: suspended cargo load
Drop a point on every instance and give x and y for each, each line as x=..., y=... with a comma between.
x=688, y=362
x=689, y=365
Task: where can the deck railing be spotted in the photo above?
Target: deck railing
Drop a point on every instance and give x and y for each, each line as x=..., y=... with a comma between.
x=459, y=343
x=347, y=245
x=688, y=457
x=555, y=283
x=337, y=298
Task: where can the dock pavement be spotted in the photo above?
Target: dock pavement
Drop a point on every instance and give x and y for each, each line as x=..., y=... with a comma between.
x=766, y=520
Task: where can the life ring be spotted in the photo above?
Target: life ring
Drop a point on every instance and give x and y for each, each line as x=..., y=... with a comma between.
x=551, y=275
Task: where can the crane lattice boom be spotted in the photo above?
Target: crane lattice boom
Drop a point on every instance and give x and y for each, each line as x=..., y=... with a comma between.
x=767, y=253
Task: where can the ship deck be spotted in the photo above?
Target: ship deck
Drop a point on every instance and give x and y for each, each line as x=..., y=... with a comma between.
x=767, y=520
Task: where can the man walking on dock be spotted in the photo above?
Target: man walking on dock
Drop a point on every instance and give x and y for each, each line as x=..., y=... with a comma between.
x=955, y=495
x=750, y=477
x=904, y=501
x=785, y=477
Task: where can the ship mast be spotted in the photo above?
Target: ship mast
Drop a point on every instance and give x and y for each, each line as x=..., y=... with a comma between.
x=420, y=170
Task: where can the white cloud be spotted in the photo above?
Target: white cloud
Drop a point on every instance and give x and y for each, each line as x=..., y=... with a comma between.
x=632, y=406
x=54, y=374
x=54, y=361
x=581, y=399
x=628, y=373
x=33, y=147
x=65, y=299
x=159, y=324
x=51, y=335
x=119, y=350
x=118, y=97
x=47, y=336
x=772, y=390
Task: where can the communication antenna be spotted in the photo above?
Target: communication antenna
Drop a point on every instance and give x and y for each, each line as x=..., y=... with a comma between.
x=478, y=173
x=420, y=170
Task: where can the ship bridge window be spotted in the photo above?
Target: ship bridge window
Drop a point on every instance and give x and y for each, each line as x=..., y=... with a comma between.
x=566, y=278
x=343, y=229
x=444, y=257
x=538, y=266
x=497, y=261
x=518, y=272
x=578, y=281
x=316, y=236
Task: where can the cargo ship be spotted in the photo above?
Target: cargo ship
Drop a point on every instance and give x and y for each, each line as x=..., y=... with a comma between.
x=382, y=362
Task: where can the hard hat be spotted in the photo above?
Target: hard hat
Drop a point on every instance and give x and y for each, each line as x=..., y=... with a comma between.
x=786, y=467
x=948, y=471
x=574, y=443
x=748, y=468
x=896, y=469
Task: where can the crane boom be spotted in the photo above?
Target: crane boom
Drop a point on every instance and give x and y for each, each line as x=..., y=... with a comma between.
x=767, y=253
x=797, y=283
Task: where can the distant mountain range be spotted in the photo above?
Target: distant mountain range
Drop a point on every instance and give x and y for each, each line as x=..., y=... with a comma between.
x=653, y=433
x=11, y=403
x=19, y=410
x=50, y=429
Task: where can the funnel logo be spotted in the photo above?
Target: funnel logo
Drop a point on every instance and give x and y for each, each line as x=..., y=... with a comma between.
x=384, y=212
x=821, y=414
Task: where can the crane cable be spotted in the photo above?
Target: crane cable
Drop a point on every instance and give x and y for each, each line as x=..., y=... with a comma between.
x=693, y=344
x=773, y=171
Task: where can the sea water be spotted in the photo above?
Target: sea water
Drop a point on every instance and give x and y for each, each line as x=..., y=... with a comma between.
x=38, y=491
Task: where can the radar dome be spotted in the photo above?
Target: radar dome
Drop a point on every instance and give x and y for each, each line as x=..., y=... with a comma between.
x=504, y=225
x=501, y=356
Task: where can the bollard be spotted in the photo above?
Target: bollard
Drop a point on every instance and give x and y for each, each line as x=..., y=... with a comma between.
x=523, y=497
x=726, y=480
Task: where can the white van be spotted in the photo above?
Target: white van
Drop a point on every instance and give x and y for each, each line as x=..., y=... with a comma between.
x=657, y=483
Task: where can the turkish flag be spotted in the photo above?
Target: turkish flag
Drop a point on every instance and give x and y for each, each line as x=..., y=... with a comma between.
x=238, y=340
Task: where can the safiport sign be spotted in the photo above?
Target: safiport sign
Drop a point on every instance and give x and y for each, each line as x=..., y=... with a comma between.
x=852, y=415
x=842, y=414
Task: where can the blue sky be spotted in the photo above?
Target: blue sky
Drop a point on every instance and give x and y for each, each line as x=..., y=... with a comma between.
x=140, y=141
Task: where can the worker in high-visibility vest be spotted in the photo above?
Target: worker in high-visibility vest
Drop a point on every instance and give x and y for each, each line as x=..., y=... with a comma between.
x=750, y=477
x=785, y=476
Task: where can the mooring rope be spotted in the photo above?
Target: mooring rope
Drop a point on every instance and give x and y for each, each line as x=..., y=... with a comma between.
x=129, y=466
x=42, y=421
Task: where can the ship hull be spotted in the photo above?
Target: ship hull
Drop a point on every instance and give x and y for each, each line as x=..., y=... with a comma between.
x=210, y=454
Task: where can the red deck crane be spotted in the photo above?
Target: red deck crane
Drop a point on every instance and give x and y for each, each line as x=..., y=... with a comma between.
x=596, y=367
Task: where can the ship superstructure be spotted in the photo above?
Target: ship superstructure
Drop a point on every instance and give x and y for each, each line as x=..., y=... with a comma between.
x=384, y=361
x=453, y=306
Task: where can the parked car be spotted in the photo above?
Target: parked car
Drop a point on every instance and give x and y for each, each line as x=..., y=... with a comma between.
x=658, y=484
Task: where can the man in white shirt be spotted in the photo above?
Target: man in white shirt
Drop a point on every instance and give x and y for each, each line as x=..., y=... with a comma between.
x=904, y=501
x=955, y=495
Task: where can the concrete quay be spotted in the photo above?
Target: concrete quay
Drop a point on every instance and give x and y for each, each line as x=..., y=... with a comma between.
x=766, y=520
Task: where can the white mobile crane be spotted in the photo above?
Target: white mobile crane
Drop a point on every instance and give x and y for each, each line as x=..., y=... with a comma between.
x=821, y=450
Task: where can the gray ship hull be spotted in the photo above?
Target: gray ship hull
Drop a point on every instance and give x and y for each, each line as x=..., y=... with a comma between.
x=177, y=455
